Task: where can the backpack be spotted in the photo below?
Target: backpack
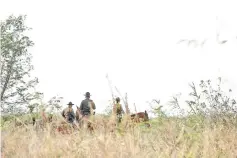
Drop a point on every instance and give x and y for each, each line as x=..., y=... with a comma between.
x=87, y=109
x=70, y=117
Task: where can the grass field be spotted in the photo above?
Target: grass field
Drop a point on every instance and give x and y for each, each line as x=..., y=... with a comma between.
x=167, y=137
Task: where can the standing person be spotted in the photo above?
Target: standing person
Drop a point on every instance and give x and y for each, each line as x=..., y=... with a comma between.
x=118, y=110
x=68, y=113
x=87, y=106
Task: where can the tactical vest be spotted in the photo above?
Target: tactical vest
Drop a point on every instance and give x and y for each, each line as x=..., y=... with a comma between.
x=71, y=117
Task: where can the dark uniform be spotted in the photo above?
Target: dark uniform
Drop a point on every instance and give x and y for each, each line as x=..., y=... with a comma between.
x=68, y=113
x=86, y=106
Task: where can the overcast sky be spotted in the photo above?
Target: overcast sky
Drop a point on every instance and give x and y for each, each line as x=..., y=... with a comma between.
x=78, y=42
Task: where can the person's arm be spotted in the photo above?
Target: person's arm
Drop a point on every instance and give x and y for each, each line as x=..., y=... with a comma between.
x=81, y=107
x=62, y=113
x=93, y=105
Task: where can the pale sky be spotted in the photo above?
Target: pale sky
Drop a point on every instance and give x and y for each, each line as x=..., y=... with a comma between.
x=78, y=42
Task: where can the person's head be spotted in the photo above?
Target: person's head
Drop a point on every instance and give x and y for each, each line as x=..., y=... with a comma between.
x=87, y=95
x=70, y=104
x=117, y=99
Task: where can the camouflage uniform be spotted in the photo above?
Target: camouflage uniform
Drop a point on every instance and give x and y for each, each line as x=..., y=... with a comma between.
x=119, y=111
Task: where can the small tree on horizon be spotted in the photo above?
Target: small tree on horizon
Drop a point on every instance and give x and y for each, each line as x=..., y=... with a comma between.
x=17, y=85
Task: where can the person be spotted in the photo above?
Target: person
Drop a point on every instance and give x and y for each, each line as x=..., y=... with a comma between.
x=87, y=106
x=68, y=113
x=118, y=110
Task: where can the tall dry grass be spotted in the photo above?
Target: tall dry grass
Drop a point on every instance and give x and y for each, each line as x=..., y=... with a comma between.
x=168, y=137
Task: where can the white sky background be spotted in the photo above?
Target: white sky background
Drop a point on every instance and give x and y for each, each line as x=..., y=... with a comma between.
x=78, y=42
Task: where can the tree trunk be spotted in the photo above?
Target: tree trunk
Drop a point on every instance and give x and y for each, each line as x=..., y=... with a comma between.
x=9, y=73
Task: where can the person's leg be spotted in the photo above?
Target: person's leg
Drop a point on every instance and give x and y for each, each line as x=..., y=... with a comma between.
x=81, y=123
x=120, y=118
x=85, y=121
x=117, y=120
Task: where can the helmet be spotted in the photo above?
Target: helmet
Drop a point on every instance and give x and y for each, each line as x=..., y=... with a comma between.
x=117, y=99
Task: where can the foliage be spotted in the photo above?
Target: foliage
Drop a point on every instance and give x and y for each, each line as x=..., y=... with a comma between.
x=172, y=137
x=196, y=43
x=55, y=104
x=211, y=99
x=157, y=109
x=206, y=100
x=17, y=86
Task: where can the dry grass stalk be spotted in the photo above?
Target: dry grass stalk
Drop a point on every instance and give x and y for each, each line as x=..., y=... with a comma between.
x=170, y=139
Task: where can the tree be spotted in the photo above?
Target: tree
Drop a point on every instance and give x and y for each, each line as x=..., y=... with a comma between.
x=211, y=99
x=17, y=86
x=55, y=104
x=207, y=99
x=157, y=108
